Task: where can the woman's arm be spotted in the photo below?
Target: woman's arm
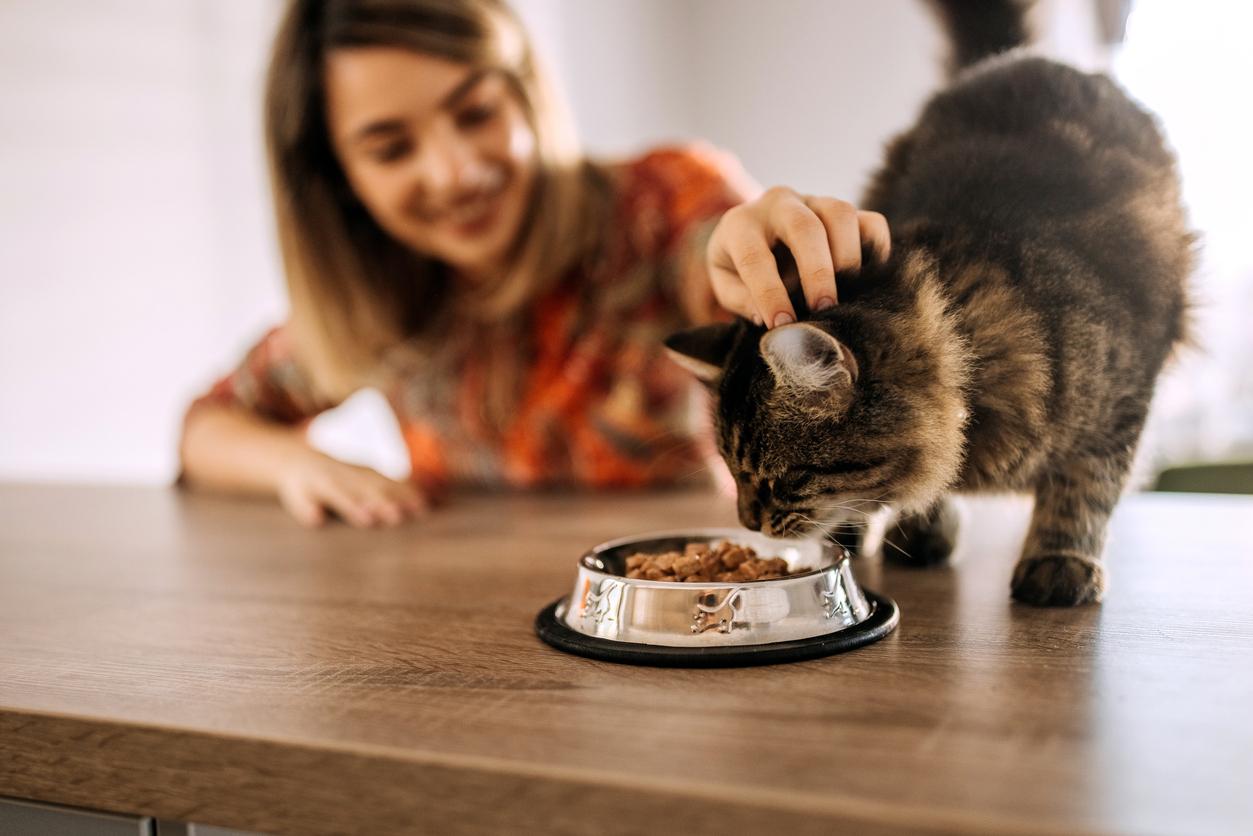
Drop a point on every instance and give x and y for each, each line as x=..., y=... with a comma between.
x=227, y=449
x=246, y=436
x=224, y=448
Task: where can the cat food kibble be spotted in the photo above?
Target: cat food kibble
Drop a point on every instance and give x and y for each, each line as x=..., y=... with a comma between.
x=706, y=562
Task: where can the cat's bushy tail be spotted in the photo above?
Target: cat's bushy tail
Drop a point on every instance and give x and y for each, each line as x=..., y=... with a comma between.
x=981, y=28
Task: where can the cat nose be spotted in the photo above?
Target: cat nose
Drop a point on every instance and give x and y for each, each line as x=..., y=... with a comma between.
x=750, y=514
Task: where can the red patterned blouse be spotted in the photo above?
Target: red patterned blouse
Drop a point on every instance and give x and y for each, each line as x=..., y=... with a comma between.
x=597, y=403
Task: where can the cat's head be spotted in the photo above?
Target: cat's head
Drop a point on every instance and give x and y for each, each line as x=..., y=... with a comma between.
x=822, y=420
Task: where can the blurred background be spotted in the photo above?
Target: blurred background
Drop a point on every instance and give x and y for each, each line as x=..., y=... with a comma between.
x=137, y=255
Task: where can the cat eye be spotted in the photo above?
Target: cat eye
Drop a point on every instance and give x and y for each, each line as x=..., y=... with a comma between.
x=796, y=480
x=842, y=466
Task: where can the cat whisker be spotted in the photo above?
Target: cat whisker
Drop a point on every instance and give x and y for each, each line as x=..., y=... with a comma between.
x=820, y=527
x=825, y=526
x=888, y=542
x=850, y=510
x=698, y=471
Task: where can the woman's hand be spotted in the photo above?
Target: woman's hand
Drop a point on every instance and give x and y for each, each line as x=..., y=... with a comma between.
x=312, y=484
x=824, y=235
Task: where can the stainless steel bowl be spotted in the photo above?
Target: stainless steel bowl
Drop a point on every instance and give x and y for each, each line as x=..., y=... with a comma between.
x=606, y=605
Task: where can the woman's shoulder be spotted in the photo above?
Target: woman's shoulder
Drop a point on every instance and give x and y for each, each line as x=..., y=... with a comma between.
x=663, y=192
x=682, y=167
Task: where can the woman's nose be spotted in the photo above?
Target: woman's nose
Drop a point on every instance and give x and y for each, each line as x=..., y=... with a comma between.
x=444, y=165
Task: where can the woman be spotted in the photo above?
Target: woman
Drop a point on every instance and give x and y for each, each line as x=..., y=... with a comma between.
x=445, y=241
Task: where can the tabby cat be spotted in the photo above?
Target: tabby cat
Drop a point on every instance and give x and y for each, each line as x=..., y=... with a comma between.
x=1010, y=343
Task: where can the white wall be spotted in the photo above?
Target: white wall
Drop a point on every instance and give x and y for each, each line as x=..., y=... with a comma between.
x=803, y=91
x=136, y=251
x=135, y=244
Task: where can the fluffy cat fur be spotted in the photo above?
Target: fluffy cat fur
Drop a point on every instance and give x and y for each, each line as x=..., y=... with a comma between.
x=1011, y=342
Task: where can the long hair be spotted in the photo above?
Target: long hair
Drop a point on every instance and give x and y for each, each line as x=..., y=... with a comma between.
x=357, y=294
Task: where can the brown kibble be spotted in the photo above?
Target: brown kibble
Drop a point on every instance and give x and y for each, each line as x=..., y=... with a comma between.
x=686, y=565
x=722, y=562
x=750, y=569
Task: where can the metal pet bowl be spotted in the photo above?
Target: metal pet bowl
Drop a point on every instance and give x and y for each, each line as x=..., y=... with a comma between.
x=612, y=617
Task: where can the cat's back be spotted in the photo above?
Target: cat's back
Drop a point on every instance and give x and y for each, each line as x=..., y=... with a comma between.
x=1036, y=99
x=1017, y=139
x=1053, y=174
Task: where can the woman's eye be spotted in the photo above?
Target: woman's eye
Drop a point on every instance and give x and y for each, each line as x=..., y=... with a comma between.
x=475, y=116
x=390, y=152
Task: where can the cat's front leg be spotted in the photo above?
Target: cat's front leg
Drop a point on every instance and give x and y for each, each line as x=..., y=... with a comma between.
x=923, y=539
x=1061, y=560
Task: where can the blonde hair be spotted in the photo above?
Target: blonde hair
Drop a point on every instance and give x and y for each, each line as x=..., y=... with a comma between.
x=357, y=294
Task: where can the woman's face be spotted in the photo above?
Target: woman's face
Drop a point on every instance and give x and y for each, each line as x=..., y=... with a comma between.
x=439, y=153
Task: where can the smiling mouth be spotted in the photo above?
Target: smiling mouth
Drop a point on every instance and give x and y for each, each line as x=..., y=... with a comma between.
x=472, y=211
x=471, y=214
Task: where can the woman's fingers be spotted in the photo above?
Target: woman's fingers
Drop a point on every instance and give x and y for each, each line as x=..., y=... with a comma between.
x=414, y=506
x=732, y=294
x=873, y=228
x=304, y=506
x=317, y=483
x=725, y=255
x=387, y=501
x=393, y=502
x=407, y=495
x=749, y=251
x=803, y=230
x=840, y=221
x=387, y=512
x=353, y=510
x=782, y=216
x=825, y=237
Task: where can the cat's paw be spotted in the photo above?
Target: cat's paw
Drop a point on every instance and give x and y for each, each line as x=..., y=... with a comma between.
x=1058, y=580
x=922, y=540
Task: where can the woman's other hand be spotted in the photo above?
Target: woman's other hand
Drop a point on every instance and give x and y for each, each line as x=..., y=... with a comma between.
x=825, y=236
x=314, y=483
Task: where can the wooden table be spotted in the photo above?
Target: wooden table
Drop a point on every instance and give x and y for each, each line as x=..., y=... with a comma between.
x=205, y=659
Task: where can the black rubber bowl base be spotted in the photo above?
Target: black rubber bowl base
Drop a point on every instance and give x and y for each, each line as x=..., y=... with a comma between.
x=882, y=620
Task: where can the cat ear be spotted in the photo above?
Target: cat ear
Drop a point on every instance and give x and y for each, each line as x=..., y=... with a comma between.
x=809, y=364
x=703, y=351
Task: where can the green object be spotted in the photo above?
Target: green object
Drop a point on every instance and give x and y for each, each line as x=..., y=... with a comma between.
x=1229, y=477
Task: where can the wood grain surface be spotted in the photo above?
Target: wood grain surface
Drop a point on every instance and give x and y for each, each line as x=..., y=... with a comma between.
x=199, y=658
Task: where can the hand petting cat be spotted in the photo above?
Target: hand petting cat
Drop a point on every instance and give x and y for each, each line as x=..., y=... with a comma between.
x=825, y=236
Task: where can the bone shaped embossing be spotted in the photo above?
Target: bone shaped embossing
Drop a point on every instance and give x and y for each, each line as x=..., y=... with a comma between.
x=602, y=603
x=835, y=602
x=713, y=614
